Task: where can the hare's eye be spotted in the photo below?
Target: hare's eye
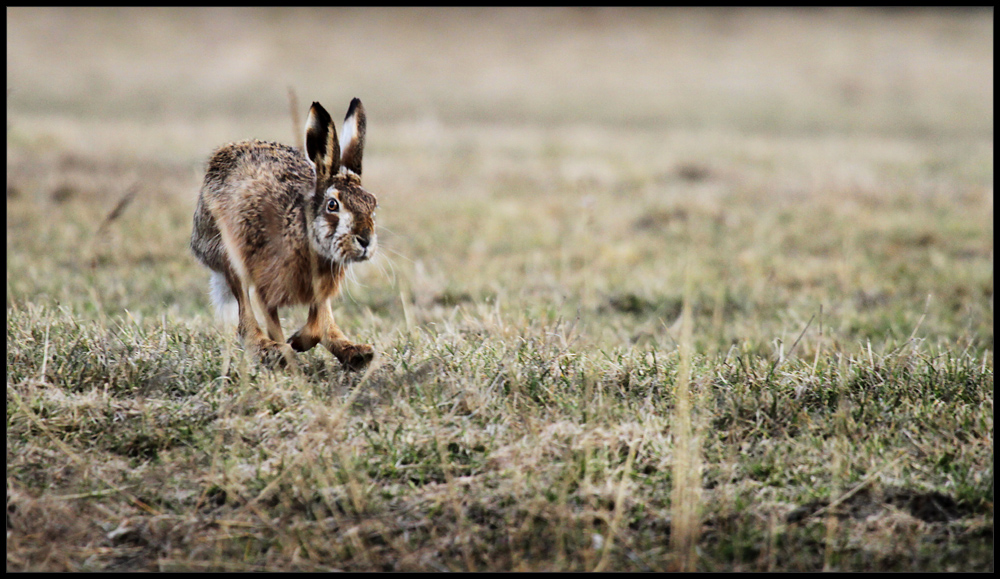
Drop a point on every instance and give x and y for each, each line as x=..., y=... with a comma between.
x=332, y=206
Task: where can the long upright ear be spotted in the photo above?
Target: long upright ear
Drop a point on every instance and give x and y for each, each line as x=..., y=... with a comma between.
x=352, y=141
x=322, y=146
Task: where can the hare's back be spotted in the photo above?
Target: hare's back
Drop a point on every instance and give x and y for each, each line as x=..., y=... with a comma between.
x=258, y=165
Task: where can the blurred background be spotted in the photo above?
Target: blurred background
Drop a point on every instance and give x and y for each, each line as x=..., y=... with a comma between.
x=560, y=155
x=900, y=71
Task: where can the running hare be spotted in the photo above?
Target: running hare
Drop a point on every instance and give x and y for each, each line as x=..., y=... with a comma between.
x=288, y=225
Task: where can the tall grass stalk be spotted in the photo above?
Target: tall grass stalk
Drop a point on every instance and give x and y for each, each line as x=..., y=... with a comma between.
x=686, y=492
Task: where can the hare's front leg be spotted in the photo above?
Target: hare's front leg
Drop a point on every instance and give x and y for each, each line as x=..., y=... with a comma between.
x=308, y=335
x=320, y=328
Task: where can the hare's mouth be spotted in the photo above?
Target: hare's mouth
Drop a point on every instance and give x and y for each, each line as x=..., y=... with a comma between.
x=350, y=248
x=358, y=251
x=367, y=253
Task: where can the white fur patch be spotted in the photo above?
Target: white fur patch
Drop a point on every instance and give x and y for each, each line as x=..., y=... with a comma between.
x=344, y=224
x=226, y=307
x=347, y=135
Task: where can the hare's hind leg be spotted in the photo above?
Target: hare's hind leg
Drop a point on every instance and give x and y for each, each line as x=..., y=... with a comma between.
x=268, y=350
x=274, y=325
x=320, y=328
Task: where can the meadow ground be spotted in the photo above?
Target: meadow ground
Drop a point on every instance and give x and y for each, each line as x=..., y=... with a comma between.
x=658, y=289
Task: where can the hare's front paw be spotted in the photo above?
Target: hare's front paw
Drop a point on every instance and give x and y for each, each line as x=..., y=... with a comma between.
x=355, y=356
x=303, y=342
x=273, y=354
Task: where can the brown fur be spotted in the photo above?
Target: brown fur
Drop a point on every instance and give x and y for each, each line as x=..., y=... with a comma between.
x=264, y=220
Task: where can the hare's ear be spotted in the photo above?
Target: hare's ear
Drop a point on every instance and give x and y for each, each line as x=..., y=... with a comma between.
x=352, y=140
x=322, y=146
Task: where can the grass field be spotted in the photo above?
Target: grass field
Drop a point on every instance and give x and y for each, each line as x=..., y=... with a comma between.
x=658, y=290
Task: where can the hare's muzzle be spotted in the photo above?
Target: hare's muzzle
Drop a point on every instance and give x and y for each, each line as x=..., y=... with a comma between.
x=366, y=244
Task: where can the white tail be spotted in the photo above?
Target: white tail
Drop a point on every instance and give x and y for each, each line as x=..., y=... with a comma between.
x=225, y=303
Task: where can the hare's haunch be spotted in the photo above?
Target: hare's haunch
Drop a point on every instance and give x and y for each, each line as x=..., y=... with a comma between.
x=287, y=224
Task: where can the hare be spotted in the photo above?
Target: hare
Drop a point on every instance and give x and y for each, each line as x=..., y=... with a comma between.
x=288, y=225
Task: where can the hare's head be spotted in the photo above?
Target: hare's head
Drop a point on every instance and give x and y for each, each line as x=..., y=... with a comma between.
x=342, y=226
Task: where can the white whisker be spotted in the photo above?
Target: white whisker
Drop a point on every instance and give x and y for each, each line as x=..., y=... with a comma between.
x=353, y=277
x=397, y=253
x=391, y=274
x=381, y=268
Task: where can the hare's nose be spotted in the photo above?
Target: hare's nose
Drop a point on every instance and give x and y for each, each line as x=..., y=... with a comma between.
x=364, y=239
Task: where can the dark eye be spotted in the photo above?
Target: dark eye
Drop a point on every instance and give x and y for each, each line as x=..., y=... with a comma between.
x=332, y=206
